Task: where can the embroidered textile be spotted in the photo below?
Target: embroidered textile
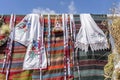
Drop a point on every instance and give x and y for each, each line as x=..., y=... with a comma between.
x=28, y=33
x=90, y=35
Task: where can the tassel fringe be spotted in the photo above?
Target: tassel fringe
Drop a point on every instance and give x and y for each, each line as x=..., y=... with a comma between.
x=93, y=47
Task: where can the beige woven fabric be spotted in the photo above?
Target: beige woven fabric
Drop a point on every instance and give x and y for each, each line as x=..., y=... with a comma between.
x=115, y=31
x=114, y=58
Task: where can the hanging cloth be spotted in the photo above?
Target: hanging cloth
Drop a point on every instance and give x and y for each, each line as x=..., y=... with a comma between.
x=49, y=39
x=72, y=27
x=67, y=70
x=90, y=35
x=8, y=50
x=73, y=34
x=65, y=44
x=29, y=33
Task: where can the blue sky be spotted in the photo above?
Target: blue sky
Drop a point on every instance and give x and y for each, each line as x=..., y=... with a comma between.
x=56, y=6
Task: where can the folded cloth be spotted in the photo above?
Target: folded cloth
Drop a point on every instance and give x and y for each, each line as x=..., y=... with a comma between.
x=28, y=32
x=90, y=35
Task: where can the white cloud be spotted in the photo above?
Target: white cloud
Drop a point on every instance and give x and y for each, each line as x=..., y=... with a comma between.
x=72, y=8
x=115, y=9
x=43, y=11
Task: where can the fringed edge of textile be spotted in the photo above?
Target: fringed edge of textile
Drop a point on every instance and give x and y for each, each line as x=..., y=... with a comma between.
x=83, y=47
x=93, y=47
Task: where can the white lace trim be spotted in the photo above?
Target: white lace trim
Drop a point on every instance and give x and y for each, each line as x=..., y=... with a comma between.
x=94, y=47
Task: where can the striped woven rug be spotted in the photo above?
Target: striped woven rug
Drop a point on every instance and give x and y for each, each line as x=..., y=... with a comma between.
x=90, y=64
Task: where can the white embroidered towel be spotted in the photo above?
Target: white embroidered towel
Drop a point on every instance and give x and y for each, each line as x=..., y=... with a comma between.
x=90, y=35
x=28, y=33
